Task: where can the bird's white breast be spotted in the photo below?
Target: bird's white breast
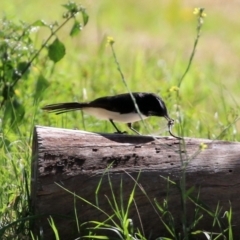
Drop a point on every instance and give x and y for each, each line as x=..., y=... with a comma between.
x=104, y=114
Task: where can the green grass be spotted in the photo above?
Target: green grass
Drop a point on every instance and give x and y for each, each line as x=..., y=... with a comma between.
x=153, y=43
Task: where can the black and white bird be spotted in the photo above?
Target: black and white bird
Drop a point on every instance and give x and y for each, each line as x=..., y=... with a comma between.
x=119, y=108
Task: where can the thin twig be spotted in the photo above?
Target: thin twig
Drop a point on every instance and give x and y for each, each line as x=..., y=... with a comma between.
x=40, y=49
x=199, y=26
x=111, y=42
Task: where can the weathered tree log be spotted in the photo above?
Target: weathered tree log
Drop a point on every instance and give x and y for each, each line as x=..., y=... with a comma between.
x=77, y=160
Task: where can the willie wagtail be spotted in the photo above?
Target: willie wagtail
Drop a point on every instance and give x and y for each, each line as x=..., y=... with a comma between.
x=119, y=108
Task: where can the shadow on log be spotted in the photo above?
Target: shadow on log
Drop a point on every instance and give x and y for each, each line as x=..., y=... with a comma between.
x=78, y=160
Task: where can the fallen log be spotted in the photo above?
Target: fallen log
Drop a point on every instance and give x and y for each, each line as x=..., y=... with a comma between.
x=85, y=163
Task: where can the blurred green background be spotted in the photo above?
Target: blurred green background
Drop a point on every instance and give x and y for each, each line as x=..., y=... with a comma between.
x=153, y=42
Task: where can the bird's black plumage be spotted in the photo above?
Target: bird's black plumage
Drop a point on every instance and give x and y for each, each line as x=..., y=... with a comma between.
x=120, y=108
x=149, y=104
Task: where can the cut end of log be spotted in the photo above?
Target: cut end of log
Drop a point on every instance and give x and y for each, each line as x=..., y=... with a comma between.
x=77, y=160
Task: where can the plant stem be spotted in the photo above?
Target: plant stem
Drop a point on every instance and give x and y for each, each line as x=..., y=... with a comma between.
x=125, y=83
x=40, y=49
x=199, y=26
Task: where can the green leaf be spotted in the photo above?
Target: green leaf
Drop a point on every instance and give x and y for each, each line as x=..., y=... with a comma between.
x=77, y=27
x=7, y=91
x=56, y=50
x=39, y=23
x=189, y=191
x=41, y=85
x=21, y=66
x=13, y=114
x=71, y=6
x=24, y=69
x=85, y=17
x=53, y=226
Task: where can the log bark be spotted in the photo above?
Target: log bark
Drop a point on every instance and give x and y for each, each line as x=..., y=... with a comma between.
x=78, y=160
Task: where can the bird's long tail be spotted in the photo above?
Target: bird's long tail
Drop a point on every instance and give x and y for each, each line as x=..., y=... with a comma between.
x=64, y=107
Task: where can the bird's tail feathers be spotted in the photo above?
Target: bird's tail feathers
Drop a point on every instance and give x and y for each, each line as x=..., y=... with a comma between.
x=64, y=107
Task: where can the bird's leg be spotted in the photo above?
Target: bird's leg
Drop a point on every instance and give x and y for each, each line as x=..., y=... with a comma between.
x=118, y=131
x=130, y=126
